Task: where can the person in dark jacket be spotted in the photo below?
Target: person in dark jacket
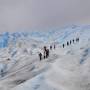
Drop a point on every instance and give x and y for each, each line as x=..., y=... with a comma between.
x=77, y=39
x=47, y=53
x=2, y=73
x=54, y=46
x=73, y=40
x=50, y=47
x=40, y=56
x=63, y=45
x=45, y=48
x=67, y=43
x=70, y=42
x=44, y=54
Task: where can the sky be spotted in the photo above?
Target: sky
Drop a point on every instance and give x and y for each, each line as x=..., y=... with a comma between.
x=19, y=15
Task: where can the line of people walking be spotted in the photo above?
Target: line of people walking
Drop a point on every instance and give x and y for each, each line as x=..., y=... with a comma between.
x=46, y=52
x=70, y=42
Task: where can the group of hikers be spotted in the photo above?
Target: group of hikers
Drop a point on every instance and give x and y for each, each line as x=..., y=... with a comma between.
x=70, y=42
x=46, y=52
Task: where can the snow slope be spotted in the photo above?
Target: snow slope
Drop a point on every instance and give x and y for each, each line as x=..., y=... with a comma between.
x=66, y=68
x=66, y=72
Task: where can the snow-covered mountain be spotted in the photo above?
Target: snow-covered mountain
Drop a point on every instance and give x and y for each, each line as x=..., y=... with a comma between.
x=58, y=35
x=66, y=69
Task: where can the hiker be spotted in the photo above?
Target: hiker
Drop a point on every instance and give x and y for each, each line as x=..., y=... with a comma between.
x=2, y=73
x=77, y=39
x=50, y=47
x=67, y=43
x=63, y=45
x=44, y=54
x=70, y=42
x=73, y=40
x=47, y=53
x=54, y=46
x=45, y=48
x=44, y=57
x=40, y=56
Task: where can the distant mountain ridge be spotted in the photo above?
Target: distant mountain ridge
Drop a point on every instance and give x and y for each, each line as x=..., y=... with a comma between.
x=55, y=35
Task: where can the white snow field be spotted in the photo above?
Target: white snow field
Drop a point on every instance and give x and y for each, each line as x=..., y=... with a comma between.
x=66, y=68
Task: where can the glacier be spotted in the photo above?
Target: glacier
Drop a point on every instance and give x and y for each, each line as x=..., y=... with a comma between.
x=66, y=69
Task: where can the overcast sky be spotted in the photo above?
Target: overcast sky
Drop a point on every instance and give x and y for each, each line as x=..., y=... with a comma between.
x=18, y=15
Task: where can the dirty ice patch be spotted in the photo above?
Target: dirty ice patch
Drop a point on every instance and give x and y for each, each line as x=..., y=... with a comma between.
x=37, y=83
x=85, y=55
x=3, y=69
